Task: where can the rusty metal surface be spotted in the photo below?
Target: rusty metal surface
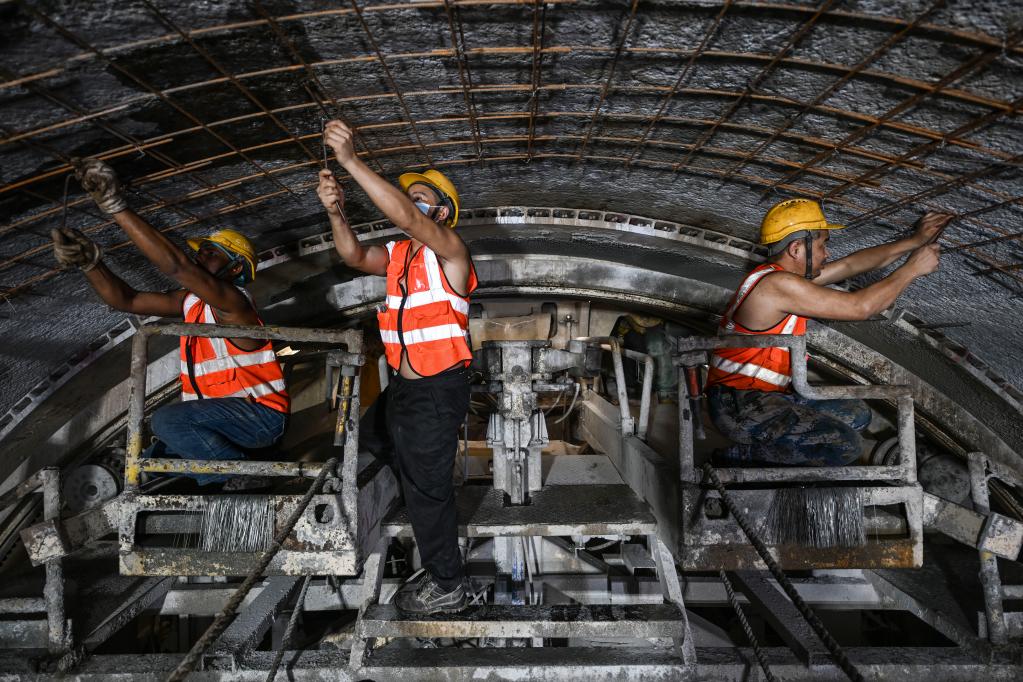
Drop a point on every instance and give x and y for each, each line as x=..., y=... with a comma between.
x=880, y=554
x=712, y=541
x=576, y=620
x=554, y=510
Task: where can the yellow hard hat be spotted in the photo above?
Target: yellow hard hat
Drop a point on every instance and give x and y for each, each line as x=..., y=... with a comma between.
x=793, y=215
x=235, y=243
x=439, y=182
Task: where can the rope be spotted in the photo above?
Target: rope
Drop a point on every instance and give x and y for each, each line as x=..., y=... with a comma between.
x=841, y=659
x=224, y=617
x=288, y=631
x=757, y=651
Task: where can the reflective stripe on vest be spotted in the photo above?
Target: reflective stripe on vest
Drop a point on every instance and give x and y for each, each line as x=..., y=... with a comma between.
x=434, y=319
x=764, y=369
x=221, y=370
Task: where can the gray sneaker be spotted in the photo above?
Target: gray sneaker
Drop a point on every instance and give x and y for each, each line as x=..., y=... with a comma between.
x=423, y=596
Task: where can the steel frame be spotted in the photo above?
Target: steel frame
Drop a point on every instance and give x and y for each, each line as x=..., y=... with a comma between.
x=710, y=541
x=332, y=543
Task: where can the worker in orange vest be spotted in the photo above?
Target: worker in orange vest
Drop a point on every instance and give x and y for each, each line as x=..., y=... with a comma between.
x=414, y=424
x=233, y=392
x=749, y=389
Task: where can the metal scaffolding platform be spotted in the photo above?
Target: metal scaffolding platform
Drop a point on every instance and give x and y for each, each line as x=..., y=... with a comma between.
x=553, y=511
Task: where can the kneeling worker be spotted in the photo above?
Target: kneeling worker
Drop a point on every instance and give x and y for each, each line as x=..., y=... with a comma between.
x=232, y=390
x=748, y=389
x=413, y=425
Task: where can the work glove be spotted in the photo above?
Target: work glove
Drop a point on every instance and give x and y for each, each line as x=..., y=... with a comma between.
x=100, y=181
x=74, y=250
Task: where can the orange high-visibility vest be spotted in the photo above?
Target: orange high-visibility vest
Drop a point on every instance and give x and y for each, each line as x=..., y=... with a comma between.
x=759, y=369
x=222, y=370
x=430, y=320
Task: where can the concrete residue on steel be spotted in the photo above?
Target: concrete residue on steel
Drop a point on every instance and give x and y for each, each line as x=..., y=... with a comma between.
x=60, y=98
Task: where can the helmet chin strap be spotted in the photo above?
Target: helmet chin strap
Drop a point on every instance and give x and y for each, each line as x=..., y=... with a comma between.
x=808, y=245
x=224, y=270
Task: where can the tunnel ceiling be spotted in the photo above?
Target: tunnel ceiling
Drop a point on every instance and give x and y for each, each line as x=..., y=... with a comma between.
x=696, y=112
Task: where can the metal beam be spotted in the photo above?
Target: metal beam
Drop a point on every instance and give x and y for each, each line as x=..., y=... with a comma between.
x=935, y=664
x=255, y=620
x=990, y=531
x=781, y=614
x=894, y=590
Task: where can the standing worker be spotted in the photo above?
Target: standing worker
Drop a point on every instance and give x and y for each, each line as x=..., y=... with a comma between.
x=232, y=390
x=413, y=425
x=748, y=389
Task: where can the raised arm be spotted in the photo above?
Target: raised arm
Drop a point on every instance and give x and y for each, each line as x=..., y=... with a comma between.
x=74, y=249
x=398, y=208
x=928, y=229
x=100, y=181
x=785, y=293
x=369, y=259
x=174, y=263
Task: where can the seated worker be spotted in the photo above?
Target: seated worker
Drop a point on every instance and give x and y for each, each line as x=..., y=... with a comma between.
x=748, y=389
x=232, y=390
x=413, y=425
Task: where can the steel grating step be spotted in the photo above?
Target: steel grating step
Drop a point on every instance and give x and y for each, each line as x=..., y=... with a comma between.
x=526, y=663
x=559, y=620
x=554, y=511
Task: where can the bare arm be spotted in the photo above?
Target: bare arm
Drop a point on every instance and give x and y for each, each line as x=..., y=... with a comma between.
x=787, y=293
x=369, y=259
x=173, y=262
x=398, y=208
x=117, y=294
x=874, y=258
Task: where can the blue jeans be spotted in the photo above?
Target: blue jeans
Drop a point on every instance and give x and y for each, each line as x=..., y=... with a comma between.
x=213, y=429
x=785, y=428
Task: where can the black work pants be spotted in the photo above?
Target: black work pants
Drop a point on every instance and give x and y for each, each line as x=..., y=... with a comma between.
x=413, y=428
